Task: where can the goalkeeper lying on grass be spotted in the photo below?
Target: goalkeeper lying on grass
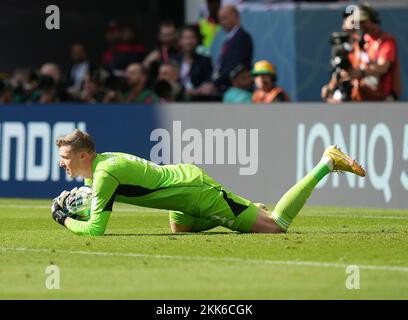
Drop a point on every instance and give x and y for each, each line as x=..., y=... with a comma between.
x=196, y=202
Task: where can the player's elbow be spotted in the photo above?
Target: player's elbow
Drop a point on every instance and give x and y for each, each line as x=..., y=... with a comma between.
x=97, y=226
x=96, y=232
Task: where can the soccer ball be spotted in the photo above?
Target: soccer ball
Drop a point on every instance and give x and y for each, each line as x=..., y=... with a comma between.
x=78, y=203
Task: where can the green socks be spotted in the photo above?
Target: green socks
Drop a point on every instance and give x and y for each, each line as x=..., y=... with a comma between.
x=293, y=201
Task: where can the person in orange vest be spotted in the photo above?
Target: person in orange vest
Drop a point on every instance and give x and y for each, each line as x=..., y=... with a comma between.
x=265, y=82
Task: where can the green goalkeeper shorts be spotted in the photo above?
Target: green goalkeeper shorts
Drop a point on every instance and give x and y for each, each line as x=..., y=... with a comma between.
x=218, y=207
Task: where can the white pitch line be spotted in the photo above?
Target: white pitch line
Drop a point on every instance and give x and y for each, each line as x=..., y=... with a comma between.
x=22, y=206
x=16, y=206
x=206, y=259
x=351, y=216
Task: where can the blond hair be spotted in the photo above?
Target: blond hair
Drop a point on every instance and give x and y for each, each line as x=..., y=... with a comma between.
x=78, y=141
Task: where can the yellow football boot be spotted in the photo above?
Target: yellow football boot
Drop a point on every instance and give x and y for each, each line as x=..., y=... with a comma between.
x=343, y=162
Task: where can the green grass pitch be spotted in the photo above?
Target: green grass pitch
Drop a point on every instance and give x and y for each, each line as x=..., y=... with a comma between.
x=139, y=258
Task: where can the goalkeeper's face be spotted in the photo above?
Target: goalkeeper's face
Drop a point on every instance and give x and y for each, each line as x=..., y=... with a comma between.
x=72, y=162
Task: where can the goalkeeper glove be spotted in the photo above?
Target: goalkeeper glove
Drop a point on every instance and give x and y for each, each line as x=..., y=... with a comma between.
x=58, y=209
x=58, y=213
x=63, y=196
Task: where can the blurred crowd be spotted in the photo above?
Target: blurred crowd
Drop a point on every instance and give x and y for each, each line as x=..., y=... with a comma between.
x=180, y=69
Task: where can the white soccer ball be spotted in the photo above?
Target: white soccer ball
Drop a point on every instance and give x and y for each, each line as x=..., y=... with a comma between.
x=78, y=203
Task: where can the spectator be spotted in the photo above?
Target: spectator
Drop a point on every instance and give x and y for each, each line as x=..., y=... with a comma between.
x=5, y=92
x=240, y=91
x=237, y=49
x=46, y=91
x=196, y=69
x=167, y=49
x=379, y=72
x=22, y=84
x=136, y=78
x=114, y=88
x=346, y=53
x=127, y=51
x=100, y=86
x=51, y=70
x=164, y=91
x=51, y=87
x=209, y=25
x=170, y=73
x=92, y=91
x=265, y=82
x=79, y=69
x=113, y=37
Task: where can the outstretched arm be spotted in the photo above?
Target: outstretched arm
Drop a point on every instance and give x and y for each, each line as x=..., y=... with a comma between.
x=95, y=226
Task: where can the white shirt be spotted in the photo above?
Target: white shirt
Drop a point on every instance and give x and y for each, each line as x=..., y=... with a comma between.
x=78, y=72
x=185, y=69
x=232, y=33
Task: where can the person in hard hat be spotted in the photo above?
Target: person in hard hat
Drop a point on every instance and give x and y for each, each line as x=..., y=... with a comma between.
x=265, y=82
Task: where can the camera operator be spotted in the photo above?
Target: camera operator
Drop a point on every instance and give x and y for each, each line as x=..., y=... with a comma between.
x=377, y=75
x=379, y=72
x=346, y=47
x=375, y=72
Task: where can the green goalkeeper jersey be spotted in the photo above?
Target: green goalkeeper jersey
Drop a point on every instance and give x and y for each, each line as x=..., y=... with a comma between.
x=126, y=178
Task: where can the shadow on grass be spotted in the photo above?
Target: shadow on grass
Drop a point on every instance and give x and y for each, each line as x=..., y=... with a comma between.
x=181, y=234
x=209, y=233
